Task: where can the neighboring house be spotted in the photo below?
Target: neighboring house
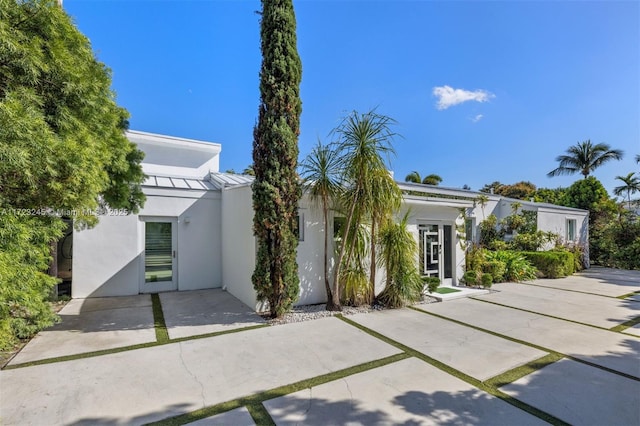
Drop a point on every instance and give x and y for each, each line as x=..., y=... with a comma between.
x=196, y=230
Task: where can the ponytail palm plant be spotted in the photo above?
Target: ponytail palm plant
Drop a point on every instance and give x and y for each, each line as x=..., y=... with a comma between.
x=398, y=254
x=322, y=179
x=364, y=146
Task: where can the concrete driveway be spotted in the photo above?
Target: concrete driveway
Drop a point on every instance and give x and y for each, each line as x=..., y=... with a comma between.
x=525, y=354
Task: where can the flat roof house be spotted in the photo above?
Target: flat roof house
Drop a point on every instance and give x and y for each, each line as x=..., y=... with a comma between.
x=196, y=231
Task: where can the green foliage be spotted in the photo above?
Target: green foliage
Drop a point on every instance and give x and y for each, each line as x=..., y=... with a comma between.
x=530, y=221
x=631, y=186
x=24, y=287
x=615, y=241
x=398, y=251
x=532, y=242
x=517, y=268
x=470, y=277
x=431, y=283
x=62, y=148
x=549, y=195
x=496, y=268
x=364, y=144
x=276, y=188
x=354, y=281
x=489, y=230
x=519, y=190
x=486, y=280
x=585, y=157
x=586, y=194
x=551, y=264
x=63, y=143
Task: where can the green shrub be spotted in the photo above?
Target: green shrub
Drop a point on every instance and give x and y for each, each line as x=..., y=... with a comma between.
x=533, y=241
x=496, y=268
x=470, y=278
x=475, y=258
x=496, y=245
x=552, y=264
x=517, y=267
x=487, y=280
x=431, y=283
x=489, y=231
x=398, y=251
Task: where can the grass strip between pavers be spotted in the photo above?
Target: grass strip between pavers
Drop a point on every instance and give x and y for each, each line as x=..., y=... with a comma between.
x=128, y=348
x=524, y=370
x=484, y=386
x=254, y=402
x=622, y=327
x=624, y=296
x=162, y=335
x=524, y=342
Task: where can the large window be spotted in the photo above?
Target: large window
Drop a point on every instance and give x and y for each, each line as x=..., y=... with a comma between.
x=571, y=230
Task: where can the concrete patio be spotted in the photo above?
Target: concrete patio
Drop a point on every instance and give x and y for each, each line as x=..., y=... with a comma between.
x=376, y=381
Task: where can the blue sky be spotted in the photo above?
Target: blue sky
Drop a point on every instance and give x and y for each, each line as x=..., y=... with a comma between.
x=482, y=91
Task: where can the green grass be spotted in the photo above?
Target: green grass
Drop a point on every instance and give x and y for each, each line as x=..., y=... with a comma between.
x=162, y=335
x=627, y=324
x=624, y=296
x=446, y=290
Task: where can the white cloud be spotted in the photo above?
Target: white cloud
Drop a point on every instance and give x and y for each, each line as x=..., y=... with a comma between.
x=448, y=96
x=477, y=118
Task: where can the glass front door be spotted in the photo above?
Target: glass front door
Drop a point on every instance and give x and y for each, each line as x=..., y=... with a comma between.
x=159, y=257
x=435, y=250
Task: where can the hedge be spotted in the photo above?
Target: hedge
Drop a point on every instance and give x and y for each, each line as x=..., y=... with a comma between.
x=552, y=264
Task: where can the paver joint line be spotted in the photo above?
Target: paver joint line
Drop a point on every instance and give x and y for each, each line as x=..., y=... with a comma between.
x=483, y=386
x=551, y=351
x=259, y=398
x=538, y=313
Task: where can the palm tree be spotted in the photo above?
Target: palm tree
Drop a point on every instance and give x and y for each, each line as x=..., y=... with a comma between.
x=432, y=179
x=363, y=142
x=585, y=157
x=321, y=179
x=631, y=186
x=482, y=200
x=414, y=177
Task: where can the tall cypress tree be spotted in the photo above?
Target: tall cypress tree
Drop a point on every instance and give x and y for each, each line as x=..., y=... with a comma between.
x=276, y=188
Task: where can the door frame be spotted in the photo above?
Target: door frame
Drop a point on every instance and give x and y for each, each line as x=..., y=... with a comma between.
x=159, y=286
x=442, y=260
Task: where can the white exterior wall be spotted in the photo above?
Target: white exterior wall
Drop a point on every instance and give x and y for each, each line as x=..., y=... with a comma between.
x=238, y=244
x=199, y=233
x=311, y=254
x=556, y=221
x=108, y=259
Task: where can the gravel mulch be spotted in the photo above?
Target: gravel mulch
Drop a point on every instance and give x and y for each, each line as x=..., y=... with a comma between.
x=312, y=312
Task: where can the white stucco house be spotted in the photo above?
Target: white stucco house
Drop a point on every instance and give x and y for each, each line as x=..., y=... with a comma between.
x=195, y=230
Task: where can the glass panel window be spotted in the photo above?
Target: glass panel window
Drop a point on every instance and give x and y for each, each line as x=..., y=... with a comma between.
x=571, y=230
x=158, y=255
x=469, y=225
x=298, y=226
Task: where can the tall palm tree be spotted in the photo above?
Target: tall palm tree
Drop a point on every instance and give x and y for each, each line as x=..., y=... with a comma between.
x=364, y=140
x=431, y=179
x=585, y=157
x=321, y=178
x=631, y=186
